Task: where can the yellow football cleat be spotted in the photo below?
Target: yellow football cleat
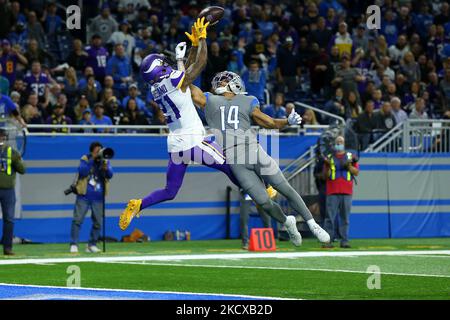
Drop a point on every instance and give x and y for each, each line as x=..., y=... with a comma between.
x=271, y=192
x=132, y=210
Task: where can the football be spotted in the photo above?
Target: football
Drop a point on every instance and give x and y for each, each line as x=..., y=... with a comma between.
x=212, y=14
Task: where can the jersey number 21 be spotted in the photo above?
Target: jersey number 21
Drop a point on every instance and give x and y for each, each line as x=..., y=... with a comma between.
x=232, y=117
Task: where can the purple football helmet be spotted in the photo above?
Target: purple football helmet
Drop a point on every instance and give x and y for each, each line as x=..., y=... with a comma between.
x=154, y=68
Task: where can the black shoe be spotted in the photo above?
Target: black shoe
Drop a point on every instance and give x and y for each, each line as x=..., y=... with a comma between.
x=327, y=246
x=8, y=252
x=345, y=245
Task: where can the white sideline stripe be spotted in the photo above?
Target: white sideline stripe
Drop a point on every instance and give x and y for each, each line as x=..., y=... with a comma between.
x=279, y=268
x=148, y=291
x=224, y=256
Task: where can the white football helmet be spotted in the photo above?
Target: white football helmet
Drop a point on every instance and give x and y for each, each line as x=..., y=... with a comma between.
x=227, y=81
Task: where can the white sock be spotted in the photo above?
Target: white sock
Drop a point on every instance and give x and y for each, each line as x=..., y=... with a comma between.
x=311, y=223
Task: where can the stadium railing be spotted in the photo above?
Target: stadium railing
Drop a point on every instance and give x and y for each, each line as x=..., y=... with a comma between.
x=149, y=130
x=415, y=136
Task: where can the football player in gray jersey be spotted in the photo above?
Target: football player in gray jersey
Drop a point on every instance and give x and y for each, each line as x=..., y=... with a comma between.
x=229, y=112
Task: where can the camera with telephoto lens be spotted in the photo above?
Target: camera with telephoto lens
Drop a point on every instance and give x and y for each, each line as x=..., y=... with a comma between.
x=103, y=154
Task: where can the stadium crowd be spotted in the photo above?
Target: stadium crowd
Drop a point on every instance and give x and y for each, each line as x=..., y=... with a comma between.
x=319, y=52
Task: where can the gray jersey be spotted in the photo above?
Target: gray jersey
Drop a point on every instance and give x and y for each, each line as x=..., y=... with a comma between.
x=232, y=117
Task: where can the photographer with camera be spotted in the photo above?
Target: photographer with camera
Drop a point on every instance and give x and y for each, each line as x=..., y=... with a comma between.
x=91, y=186
x=340, y=169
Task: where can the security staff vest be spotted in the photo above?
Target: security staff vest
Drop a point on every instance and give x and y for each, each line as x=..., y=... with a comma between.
x=337, y=170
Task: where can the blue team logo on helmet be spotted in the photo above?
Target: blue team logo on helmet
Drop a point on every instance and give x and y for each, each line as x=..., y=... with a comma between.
x=154, y=68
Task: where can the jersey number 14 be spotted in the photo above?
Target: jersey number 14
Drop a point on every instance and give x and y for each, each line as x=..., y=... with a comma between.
x=232, y=117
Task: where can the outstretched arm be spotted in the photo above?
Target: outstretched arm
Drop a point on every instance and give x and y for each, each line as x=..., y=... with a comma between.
x=198, y=97
x=263, y=120
x=194, y=70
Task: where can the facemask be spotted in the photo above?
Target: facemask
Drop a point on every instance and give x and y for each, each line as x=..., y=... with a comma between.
x=339, y=147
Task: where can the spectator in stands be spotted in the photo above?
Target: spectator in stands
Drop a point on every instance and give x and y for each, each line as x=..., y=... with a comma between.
x=77, y=57
x=43, y=107
x=35, y=52
x=343, y=41
x=399, y=114
x=37, y=81
x=256, y=48
x=130, y=8
x=91, y=91
x=104, y=24
x=94, y=174
x=51, y=21
x=320, y=71
x=7, y=19
x=4, y=83
x=13, y=164
x=97, y=57
x=377, y=98
x=216, y=62
x=288, y=67
x=410, y=68
x=86, y=119
x=83, y=81
x=9, y=59
x=32, y=115
x=418, y=110
x=100, y=119
x=398, y=51
x=340, y=169
x=352, y=107
x=276, y=110
x=114, y=110
x=119, y=67
x=19, y=36
x=108, y=98
x=384, y=119
x=321, y=35
x=132, y=115
x=365, y=124
x=255, y=81
x=16, y=98
x=70, y=84
x=80, y=107
x=412, y=95
x=59, y=118
x=347, y=77
x=35, y=30
x=336, y=105
x=445, y=90
x=309, y=118
x=124, y=37
x=133, y=93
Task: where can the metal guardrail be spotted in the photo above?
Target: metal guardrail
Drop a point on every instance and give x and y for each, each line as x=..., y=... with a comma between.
x=415, y=136
x=326, y=113
x=149, y=130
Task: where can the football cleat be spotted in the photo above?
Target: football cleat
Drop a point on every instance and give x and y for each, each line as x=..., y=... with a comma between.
x=320, y=234
x=132, y=210
x=291, y=228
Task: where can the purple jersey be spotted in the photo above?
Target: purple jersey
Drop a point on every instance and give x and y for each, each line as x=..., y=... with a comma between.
x=36, y=84
x=97, y=58
x=9, y=64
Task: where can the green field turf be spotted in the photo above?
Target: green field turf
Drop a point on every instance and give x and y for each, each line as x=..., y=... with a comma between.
x=415, y=276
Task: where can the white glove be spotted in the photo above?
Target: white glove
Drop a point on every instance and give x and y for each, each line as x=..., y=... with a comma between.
x=180, y=50
x=294, y=118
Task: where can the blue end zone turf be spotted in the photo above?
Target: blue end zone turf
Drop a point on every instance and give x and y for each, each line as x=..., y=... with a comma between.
x=18, y=292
